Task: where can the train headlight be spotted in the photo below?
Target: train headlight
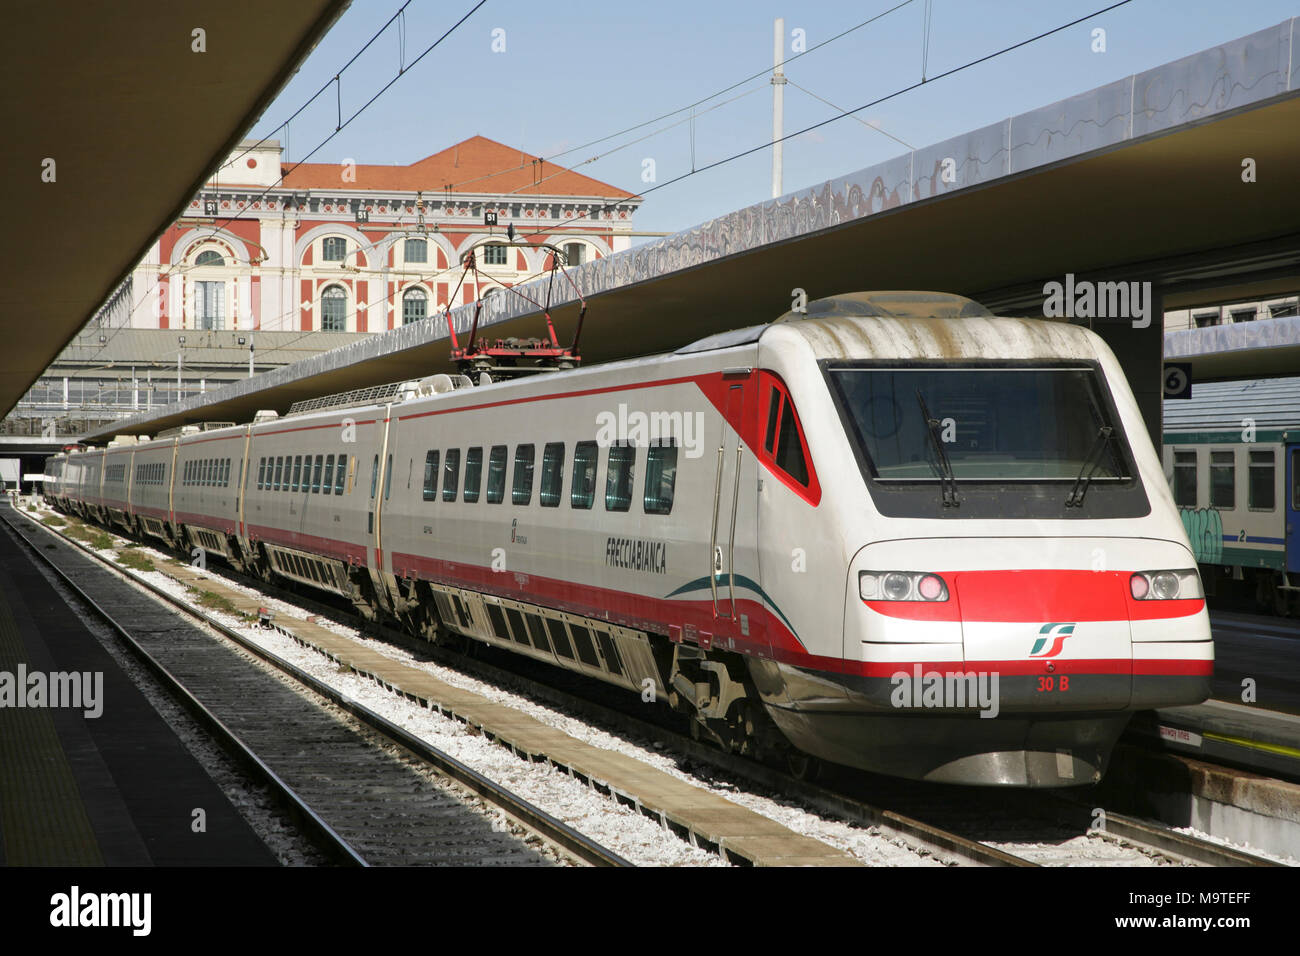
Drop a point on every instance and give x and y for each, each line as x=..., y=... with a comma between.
x=901, y=586
x=1171, y=585
x=897, y=586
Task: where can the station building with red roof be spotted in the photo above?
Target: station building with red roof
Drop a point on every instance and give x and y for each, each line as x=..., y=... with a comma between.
x=364, y=248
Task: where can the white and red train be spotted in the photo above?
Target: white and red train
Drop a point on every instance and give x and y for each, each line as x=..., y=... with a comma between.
x=894, y=532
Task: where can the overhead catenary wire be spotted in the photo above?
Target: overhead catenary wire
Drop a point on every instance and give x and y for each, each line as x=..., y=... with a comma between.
x=876, y=102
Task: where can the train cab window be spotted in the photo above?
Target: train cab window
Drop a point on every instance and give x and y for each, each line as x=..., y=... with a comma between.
x=473, y=474
x=297, y=481
x=341, y=475
x=773, y=416
x=388, y=476
x=451, y=474
x=279, y=469
x=784, y=445
x=620, y=478
x=327, y=483
x=582, y=493
x=431, y=475
x=552, y=474
x=374, y=476
x=496, y=481
x=1185, y=479
x=660, y=476
x=522, y=491
x=315, y=474
x=1261, y=478
x=1223, y=480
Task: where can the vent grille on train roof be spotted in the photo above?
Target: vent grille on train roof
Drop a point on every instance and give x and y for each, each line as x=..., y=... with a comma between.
x=357, y=396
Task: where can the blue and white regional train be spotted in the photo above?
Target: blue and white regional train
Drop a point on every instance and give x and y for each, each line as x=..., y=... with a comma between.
x=894, y=532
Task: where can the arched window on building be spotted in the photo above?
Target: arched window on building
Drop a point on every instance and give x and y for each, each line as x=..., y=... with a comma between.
x=333, y=249
x=416, y=250
x=494, y=254
x=575, y=253
x=415, y=306
x=209, y=295
x=334, y=309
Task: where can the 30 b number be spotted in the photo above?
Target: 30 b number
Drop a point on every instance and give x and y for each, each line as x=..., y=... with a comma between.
x=1046, y=684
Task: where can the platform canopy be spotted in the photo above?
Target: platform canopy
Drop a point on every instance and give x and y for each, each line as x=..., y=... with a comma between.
x=114, y=115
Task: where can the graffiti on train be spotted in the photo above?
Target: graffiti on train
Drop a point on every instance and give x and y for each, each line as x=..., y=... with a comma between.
x=1204, y=528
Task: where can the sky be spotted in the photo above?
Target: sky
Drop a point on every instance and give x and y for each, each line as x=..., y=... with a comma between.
x=549, y=79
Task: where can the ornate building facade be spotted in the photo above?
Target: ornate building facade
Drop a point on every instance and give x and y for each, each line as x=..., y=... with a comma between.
x=363, y=248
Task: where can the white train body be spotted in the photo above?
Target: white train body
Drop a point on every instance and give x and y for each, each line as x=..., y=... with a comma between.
x=744, y=501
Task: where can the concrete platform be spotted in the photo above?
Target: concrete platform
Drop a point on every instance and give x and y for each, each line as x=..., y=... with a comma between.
x=117, y=789
x=1263, y=740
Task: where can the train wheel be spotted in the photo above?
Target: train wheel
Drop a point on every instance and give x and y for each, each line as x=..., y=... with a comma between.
x=803, y=766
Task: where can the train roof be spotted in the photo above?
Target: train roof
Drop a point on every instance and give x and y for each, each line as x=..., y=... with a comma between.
x=1220, y=406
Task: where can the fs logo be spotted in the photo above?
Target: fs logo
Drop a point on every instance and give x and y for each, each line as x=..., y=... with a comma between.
x=1056, y=633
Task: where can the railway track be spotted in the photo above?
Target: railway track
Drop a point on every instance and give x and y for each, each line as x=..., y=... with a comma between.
x=1011, y=832
x=359, y=786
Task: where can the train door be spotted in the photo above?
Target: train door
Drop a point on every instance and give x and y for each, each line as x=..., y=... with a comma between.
x=242, y=469
x=726, y=504
x=1292, y=508
x=380, y=487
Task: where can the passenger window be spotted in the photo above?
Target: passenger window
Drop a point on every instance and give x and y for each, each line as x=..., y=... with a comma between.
x=522, y=492
x=496, y=482
x=279, y=472
x=261, y=473
x=315, y=474
x=327, y=483
x=340, y=477
x=1223, y=480
x=1262, y=497
x=473, y=474
x=431, y=476
x=660, y=476
x=297, y=473
x=583, y=490
x=374, y=476
x=552, y=474
x=388, y=476
x=1185, y=479
x=451, y=475
x=620, y=478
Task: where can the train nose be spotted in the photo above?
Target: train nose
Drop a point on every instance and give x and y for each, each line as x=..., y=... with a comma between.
x=1058, y=621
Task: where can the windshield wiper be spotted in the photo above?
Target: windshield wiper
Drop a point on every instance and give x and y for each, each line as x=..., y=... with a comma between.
x=947, y=480
x=1075, y=498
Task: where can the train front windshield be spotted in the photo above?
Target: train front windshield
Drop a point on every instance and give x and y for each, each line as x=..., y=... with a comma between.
x=1031, y=426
